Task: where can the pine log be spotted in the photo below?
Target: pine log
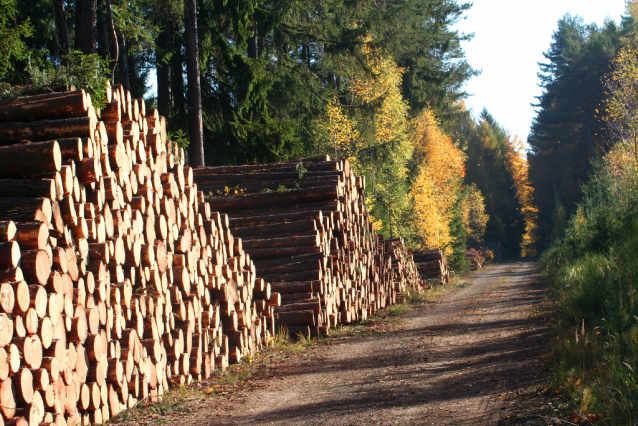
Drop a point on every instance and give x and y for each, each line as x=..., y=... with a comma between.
x=294, y=265
x=36, y=266
x=26, y=209
x=280, y=228
x=267, y=199
x=289, y=167
x=32, y=235
x=10, y=254
x=11, y=274
x=34, y=98
x=7, y=231
x=252, y=187
x=304, y=317
x=30, y=159
x=46, y=130
x=28, y=188
x=314, y=305
x=239, y=221
x=288, y=241
x=296, y=287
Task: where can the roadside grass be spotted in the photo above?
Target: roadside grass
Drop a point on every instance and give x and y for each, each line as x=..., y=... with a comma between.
x=593, y=275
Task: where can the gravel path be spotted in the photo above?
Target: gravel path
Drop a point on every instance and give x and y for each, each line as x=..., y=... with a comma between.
x=471, y=357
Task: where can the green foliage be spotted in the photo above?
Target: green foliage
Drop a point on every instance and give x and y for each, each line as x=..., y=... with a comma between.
x=12, y=34
x=178, y=138
x=88, y=72
x=487, y=148
x=567, y=135
x=593, y=270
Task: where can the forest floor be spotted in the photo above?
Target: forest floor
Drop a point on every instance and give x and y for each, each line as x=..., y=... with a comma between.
x=471, y=355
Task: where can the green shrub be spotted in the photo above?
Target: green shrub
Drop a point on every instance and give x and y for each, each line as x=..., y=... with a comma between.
x=593, y=272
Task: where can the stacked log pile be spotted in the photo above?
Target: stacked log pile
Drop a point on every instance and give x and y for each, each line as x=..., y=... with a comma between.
x=116, y=279
x=432, y=266
x=476, y=259
x=306, y=227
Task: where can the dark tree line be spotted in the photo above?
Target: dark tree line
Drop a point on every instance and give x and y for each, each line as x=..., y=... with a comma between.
x=568, y=134
x=245, y=80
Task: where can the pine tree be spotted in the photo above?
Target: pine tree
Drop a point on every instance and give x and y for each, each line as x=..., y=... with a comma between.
x=566, y=134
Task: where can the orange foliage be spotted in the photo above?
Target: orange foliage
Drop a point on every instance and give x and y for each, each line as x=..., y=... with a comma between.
x=436, y=190
x=519, y=169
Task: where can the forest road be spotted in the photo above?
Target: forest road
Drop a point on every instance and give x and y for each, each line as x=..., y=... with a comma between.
x=470, y=357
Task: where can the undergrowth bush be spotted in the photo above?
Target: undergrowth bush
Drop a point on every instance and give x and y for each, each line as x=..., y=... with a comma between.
x=593, y=271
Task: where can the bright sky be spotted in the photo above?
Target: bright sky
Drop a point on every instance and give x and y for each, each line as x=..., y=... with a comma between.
x=510, y=37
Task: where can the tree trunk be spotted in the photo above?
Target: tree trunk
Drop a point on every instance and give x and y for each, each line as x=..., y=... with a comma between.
x=177, y=77
x=86, y=26
x=103, y=32
x=133, y=77
x=123, y=62
x=253, y=45
x=164, y=73
x=195, y=125
x=62, y=30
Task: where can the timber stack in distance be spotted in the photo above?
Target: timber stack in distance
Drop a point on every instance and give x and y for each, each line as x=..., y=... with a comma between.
x=432, y=265
x=118, y=277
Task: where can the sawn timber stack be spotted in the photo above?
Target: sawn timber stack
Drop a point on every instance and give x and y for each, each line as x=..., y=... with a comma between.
x=432, y=265
x=308, y=231
x=116, y=279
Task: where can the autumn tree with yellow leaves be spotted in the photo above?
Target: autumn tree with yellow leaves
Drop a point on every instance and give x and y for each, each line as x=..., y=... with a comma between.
x=414, y=170
x=439, y=178
x=371, y=131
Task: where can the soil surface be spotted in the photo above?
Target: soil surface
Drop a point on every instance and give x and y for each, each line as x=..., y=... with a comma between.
x=472, y=356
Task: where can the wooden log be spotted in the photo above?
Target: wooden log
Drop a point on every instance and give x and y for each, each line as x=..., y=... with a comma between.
x=36, y=266
x=314, y=305
x=46, y=130
x=238, y=221
x=23, y=385
x=305, y=317
x=291, y=264
x=31, y=349
x=7, y=231
x=252, y=201
x=287, y=241
x=11, y=274
x=7, y=399
x=296, y=287
x=286, y=167
x=6, y=330
x=26, y=209
x=32, y=235
x=304, y=275
x=28, y=188
x=47, y=108
x=33, y=98
x=280, y=228
x=265, y=186
x=263, y=264
x=10, y=254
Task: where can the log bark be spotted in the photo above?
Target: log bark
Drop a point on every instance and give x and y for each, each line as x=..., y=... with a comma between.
x=30, y=159
x=49, y=108
x=46, y=130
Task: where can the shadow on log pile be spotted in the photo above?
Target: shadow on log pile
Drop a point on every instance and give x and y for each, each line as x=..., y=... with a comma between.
x=118, y=278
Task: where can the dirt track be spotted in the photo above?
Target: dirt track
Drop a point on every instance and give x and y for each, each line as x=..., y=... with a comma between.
x=471, y=357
